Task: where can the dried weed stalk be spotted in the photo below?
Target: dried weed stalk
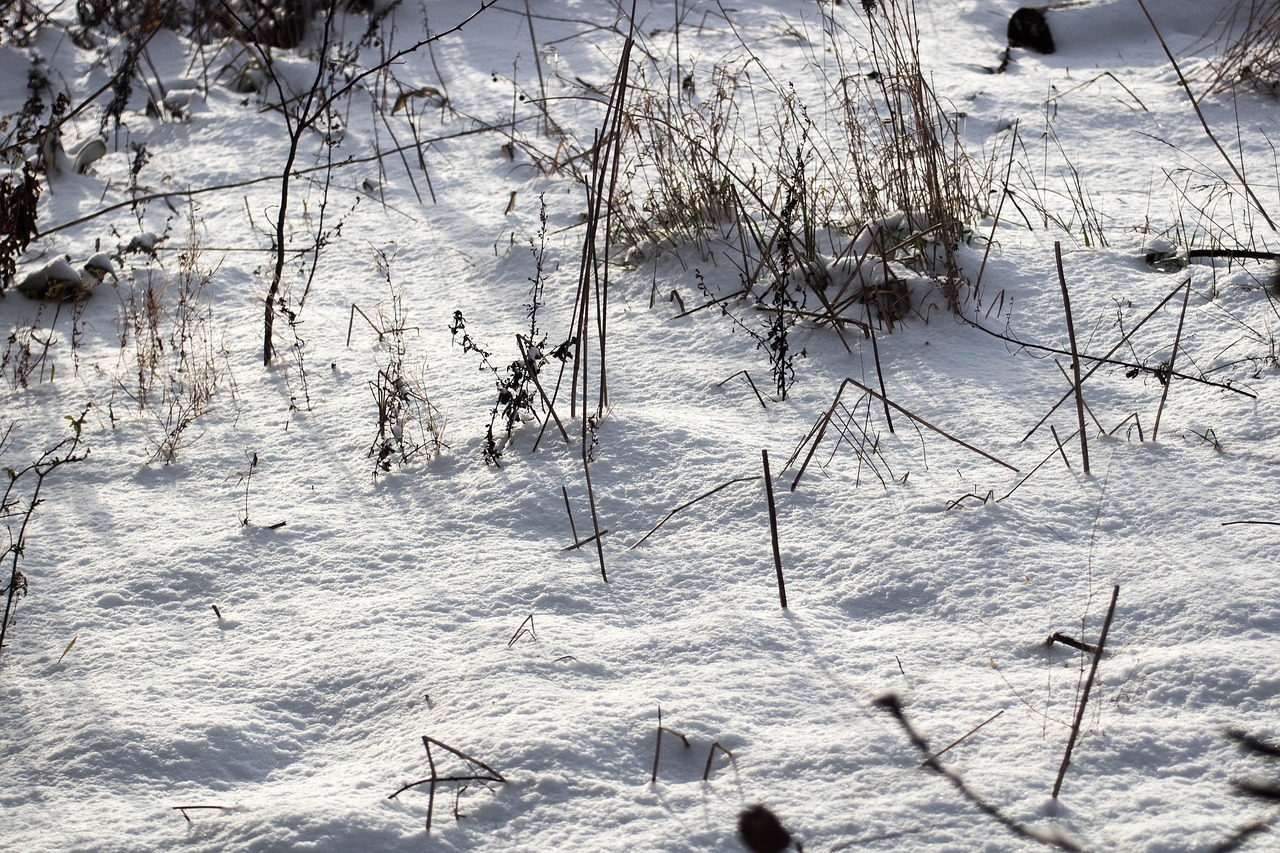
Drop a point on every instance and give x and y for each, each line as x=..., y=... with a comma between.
x=172, y=359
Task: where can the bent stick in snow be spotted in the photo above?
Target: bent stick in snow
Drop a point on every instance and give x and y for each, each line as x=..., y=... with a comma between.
x=893, y=705
x=657, y=747
x=688, y=504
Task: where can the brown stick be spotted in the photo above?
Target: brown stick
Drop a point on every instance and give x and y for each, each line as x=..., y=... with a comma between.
x=431, y=795
x=1059, y=637
x=576, y=545
x=1058, y=442
x=747, y=376
x=531, y=369
x=1075, y=356
x=184, y=809
x=773, y=529
x=1084, y=698
x=820, y=431
x=893, y=705
x=1177, y=338
x=1225, y=386
x=591, y=500
x=875, y=355
x=1087, y=408
x=1032, y=472
x=1136, y=421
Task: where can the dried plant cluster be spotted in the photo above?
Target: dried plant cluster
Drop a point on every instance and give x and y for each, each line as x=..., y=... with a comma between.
x=1247, y=50
x=172, y=361
x=409, y=426
x=836, y=202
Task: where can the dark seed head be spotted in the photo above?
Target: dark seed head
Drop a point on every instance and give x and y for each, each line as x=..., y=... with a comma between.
x=761, y=831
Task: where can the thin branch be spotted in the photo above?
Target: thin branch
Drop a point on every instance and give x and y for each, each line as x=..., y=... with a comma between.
x=1177, y=339
x=960, y=739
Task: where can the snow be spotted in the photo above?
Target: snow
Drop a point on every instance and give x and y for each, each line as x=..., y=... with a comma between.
x=286, y=670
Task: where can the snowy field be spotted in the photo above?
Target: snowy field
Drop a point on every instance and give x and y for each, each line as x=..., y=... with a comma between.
x=257, y=590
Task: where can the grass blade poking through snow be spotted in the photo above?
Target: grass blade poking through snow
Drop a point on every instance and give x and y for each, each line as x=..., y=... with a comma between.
x=1084, y=697
x=773, y=529
x=1168, y=377
x=1075, y=357
x=891, y=703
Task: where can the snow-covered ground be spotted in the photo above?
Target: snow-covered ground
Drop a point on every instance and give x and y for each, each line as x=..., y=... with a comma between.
x=269, y=624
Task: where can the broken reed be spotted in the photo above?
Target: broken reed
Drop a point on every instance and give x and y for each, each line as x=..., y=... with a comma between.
x=1168, y=380
x=819, y=430
x=657, y=750
x=593, y=286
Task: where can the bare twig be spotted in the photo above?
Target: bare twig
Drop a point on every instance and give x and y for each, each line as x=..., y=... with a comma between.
x=572, y=527
x=185, y=809
x=746, y=376
x=821, y=428
x=657, y=747
x=893, y=705
x=706, y=773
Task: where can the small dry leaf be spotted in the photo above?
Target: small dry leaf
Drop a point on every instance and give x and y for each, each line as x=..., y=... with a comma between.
x=68, y=648
x=406, y=94
x=993, y=664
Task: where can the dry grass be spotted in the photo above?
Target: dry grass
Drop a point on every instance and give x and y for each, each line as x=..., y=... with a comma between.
x=1249, y=52
x=172, y=360
x=854, y=195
